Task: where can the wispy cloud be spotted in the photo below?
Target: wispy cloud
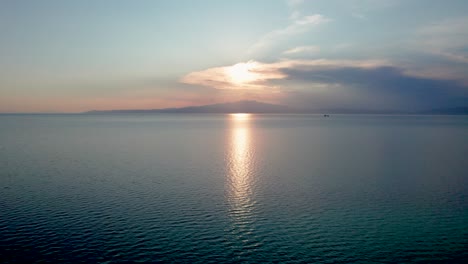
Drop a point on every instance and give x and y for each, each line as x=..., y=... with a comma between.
x=447, y=39
x=312, y=20
x=298, y=24
x=294, y=7
x=303, y=50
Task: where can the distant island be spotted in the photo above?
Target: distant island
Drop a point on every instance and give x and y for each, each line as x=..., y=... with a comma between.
x=245, y=106
x=251, y=106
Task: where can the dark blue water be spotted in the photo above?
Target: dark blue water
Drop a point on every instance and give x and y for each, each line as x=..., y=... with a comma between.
x=233, y=188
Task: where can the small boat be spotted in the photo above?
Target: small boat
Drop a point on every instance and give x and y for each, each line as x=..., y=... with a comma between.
x=326, y=115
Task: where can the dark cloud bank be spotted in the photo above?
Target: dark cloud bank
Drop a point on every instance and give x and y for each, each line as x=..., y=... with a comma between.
x=380, y=88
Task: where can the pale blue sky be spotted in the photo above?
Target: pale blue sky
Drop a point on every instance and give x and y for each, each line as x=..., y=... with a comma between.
x=71, y=56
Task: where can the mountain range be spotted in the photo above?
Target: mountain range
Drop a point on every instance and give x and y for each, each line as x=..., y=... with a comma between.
x=246, y=106
x=251, y=106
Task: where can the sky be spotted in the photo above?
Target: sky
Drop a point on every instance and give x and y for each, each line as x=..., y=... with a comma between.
x=74, y=56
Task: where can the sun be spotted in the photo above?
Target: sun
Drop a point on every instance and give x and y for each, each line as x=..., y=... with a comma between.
x=242, y=73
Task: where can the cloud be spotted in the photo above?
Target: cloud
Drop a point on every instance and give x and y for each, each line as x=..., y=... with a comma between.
x=294, y=8
x=372, y=84
x=299, y=23
x=303, y=50
x=447, y=39
x=312, y=20
x=451, y=32
x=254, y=75
x=387, y=86
x=249, y=75
x=297, y=26
x=381, y=85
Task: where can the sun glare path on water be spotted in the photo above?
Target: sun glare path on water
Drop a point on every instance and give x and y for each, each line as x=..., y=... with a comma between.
x=240, y=116
x=240, y=178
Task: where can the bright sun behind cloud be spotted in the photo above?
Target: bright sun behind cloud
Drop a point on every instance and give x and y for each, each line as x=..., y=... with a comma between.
x=242, y=73
x=250, y=75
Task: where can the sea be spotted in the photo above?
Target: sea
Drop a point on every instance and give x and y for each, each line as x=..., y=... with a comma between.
x=233, y=188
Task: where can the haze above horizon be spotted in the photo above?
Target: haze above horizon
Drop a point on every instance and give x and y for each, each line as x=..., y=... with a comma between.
x=63, y=56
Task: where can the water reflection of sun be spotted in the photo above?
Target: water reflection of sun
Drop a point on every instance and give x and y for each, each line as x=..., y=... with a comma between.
x=240, y=166
x=240, y=117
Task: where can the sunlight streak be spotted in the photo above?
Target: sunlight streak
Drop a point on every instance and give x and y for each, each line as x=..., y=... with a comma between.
x=239, y=172
x=240, y=116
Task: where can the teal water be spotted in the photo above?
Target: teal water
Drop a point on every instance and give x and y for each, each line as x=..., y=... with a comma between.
x=233, y=189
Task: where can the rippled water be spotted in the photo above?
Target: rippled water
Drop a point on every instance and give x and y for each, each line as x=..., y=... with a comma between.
x=233, y=188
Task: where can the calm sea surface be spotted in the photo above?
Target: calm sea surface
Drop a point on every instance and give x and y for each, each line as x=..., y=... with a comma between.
x=233, y=188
